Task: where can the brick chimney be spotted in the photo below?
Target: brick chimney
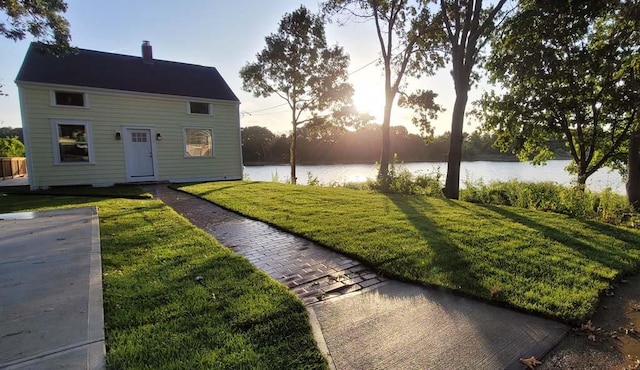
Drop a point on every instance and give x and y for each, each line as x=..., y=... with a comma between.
x=147, y=52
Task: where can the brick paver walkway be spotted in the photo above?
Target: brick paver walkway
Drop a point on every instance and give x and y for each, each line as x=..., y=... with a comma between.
x=314, y=273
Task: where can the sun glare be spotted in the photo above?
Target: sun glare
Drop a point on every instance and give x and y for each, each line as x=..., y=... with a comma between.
x=370, y=101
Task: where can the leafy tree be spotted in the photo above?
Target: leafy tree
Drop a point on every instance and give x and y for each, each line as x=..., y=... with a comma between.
x=624, y=28
x=467, y=24
x=438, y=148
x=563, y=74
x=426, y=109
x=11, y=132
x=42, y=19
x=408, y=38
x=298, y=66
x=478, y=144
x=11, y=147
x=334, y=144
x=280, y=149
x=256, y=144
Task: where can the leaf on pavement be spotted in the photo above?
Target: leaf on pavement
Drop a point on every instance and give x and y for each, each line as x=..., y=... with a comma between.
x=531, y=362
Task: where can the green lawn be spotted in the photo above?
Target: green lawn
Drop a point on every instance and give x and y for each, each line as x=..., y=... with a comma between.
x=541, y=262
x=157, y=316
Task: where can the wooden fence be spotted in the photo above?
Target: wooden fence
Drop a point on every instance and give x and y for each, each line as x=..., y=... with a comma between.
x=12, y=167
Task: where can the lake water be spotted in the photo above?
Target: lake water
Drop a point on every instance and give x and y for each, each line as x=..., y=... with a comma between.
x=486, y=171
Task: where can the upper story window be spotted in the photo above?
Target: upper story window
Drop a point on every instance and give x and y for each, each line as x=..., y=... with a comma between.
x=69, y=99
x=199, y=108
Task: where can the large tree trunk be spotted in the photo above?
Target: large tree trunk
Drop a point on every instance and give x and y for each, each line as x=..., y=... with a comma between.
x=292, y=151
x=633, y=170
x=452, y=184
x=385, y=153
x=582, y=181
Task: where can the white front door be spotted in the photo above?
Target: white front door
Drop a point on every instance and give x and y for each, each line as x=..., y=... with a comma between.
x=139, y=154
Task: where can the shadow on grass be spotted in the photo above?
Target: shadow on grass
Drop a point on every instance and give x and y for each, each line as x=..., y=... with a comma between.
x=232, y=184
x=152, y=295
x=615, y=258
x=22, y=203
x=448, y=257
x=116, y=191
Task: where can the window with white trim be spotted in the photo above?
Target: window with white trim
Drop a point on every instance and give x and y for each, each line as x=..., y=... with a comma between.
x=72, y=141
x=199, y=108
x=198, y=142
x=69, y=99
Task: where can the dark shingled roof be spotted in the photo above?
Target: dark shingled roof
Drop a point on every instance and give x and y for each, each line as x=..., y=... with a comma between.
x=123, y=72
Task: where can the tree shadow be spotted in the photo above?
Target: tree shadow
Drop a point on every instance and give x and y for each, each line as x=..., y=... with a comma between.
x=448, y=257
x=615, y=258
x=201, y=194
x=25, y=202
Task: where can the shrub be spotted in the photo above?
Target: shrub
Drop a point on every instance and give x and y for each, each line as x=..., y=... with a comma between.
x=547, y=196
x=402, y=181
x=312, y=180
x=11, y=147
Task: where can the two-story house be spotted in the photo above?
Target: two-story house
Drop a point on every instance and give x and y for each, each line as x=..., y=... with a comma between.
x=101, y=118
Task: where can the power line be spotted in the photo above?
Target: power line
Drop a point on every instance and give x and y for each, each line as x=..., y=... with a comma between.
x=271, y=113
x=364, y=66
x=283, y=104
x=265, y=109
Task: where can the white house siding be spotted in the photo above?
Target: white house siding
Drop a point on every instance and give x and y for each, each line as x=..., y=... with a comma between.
x=111, y=111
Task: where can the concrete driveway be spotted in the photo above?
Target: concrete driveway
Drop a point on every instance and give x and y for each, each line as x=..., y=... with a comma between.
x=51, y=290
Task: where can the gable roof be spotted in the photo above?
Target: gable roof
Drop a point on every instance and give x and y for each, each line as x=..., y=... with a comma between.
x=123, y=72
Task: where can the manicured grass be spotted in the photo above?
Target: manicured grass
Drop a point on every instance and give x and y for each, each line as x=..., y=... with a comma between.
x=157, y=316
x=542, y=262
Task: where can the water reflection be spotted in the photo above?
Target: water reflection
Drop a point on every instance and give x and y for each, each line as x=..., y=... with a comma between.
x=553, y=171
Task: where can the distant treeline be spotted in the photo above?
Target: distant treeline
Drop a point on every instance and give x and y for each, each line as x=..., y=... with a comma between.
x=338, y=145
x=12, y=132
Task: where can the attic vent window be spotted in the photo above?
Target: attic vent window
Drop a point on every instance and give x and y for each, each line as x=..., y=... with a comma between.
x=199, y=108
x=72, y=99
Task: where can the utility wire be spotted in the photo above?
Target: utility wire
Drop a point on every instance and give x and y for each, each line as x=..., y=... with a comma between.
x=283, y=104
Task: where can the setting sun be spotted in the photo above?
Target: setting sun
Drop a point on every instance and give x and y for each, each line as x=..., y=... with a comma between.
x=370, y=99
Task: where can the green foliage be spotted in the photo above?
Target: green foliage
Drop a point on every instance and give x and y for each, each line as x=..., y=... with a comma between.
x=11, y=147
x=298, y=66
x=312, y=180
x=157, y=316
x=426, y=109
x=256, y=143
x=467, y=26
x=547, y=263
x=402, y=181
x=42, y=19
x=565, y=69
x=11, y=132
x=410, y=39
x=324, y=145
x=547, y=196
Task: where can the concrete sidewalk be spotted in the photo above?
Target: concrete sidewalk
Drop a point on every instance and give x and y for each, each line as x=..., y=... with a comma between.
x=362, y=320
x=51, y=290
x=404, y=326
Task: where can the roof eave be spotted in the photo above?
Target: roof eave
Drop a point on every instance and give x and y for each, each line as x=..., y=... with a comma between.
x=21, y=83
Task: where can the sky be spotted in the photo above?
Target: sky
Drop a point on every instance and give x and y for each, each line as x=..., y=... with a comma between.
x=225, y=34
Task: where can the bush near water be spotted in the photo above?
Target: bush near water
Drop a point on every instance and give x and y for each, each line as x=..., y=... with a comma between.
x=605, y=206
